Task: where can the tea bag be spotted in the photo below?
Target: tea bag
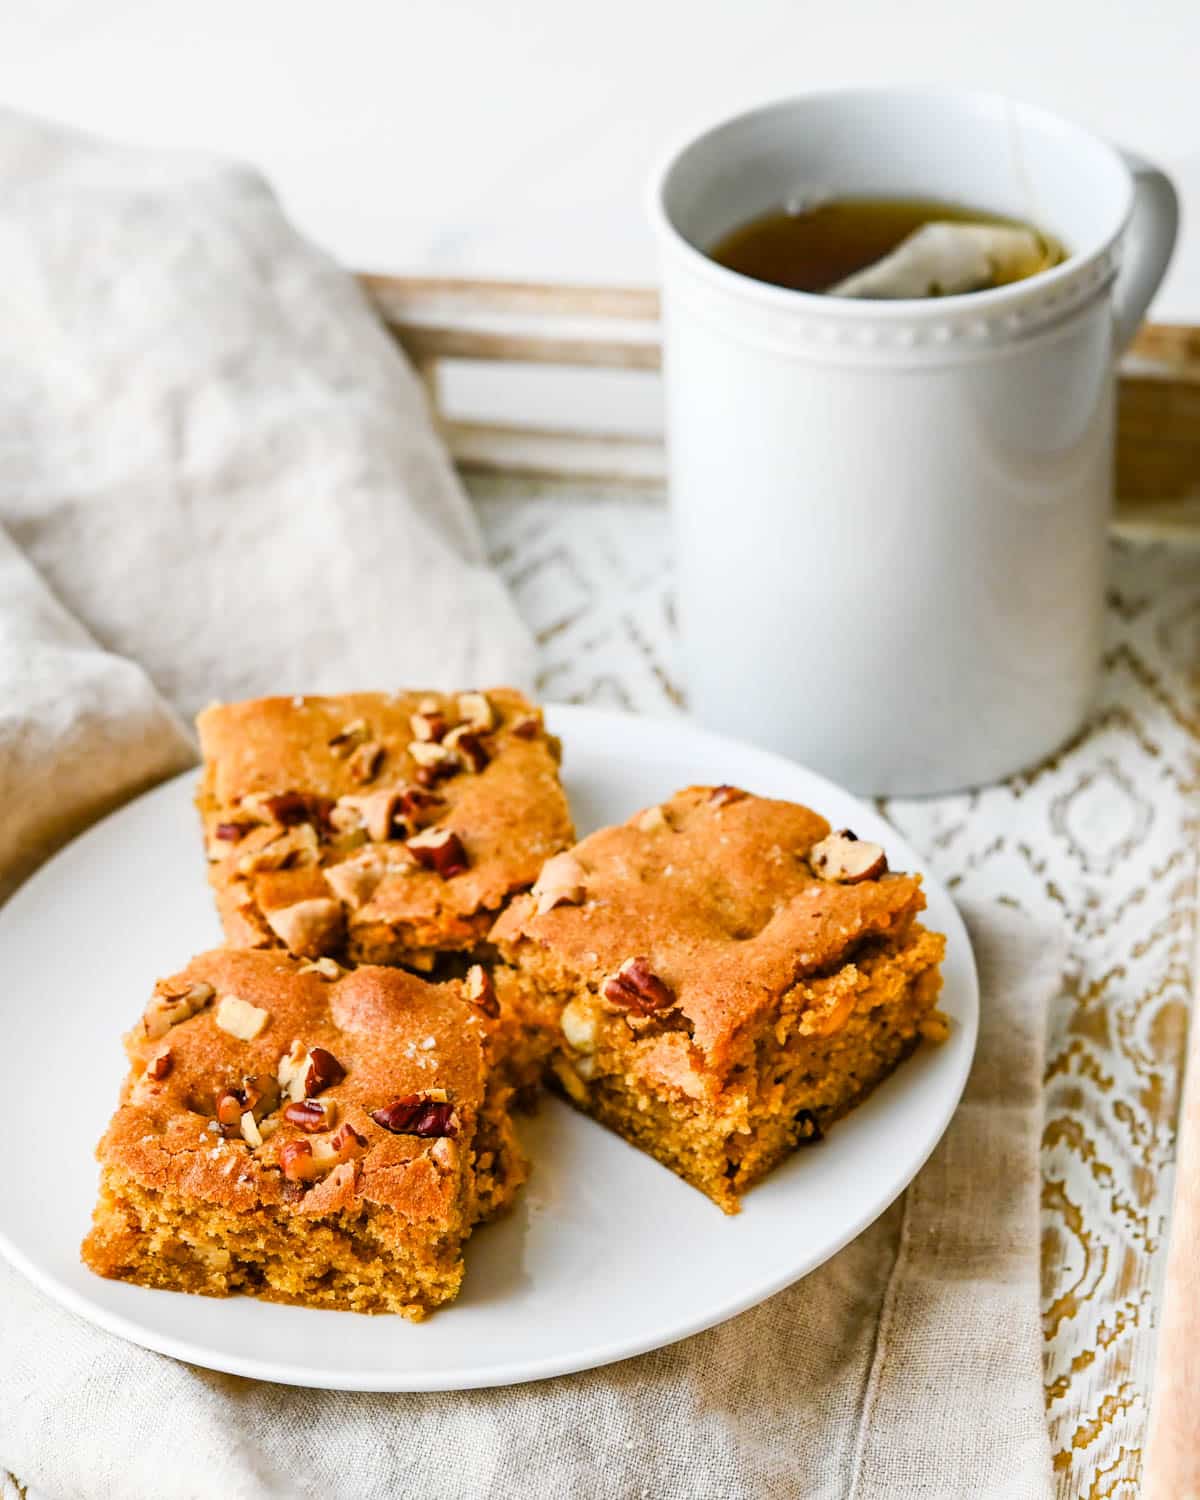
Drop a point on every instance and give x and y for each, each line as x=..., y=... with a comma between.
x=941, y=259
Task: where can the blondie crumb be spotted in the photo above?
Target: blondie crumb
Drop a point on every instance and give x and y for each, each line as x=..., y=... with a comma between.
x=334, y=1148
x=720, y=978
x=376, y=828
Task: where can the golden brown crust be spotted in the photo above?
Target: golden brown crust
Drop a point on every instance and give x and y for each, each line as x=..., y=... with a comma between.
x=716, y=893
x=392, y=1034
x=704, y=993
x=342, y=841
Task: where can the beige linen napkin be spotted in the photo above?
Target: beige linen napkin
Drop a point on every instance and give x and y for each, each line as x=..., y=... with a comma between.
x=209, y=446
x=224, y=472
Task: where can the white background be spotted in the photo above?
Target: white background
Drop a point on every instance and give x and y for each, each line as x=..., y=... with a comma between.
x=512, y=137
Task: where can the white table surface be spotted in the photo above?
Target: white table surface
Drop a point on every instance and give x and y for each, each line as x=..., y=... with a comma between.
x=513, y=138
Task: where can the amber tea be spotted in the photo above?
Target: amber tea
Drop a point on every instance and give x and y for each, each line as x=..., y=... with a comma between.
x=885, y=247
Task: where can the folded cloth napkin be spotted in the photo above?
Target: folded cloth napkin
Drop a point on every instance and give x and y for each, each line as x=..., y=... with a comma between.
x=210, y=449
x=217, y=477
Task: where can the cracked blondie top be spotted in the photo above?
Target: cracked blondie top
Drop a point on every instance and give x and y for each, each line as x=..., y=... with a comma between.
x=305, y=1134
x=383, y=828
x=721, y=977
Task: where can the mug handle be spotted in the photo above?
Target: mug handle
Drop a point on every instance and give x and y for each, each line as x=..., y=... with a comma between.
x=1149, y=241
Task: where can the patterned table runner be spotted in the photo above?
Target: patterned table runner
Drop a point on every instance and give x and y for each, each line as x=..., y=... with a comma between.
x=1102, y=837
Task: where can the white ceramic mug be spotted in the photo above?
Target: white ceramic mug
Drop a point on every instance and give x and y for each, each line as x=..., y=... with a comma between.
x=891, y=516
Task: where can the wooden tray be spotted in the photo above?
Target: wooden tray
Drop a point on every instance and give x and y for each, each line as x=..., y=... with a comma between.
x=440, y=320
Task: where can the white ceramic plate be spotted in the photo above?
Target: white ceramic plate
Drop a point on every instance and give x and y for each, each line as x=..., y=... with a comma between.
x=559, y=1285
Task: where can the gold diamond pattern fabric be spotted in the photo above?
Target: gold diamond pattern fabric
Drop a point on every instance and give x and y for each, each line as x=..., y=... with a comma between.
x=1100, y=838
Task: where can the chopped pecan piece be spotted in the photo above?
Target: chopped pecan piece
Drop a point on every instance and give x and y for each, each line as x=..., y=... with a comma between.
x=356, y=880
x=846, y=858
x=469, y=748
x=290, y=808
x=480, y=989
x=240, y=1110
x=440, y=850
x=307, y=927
x=304, y=1161
x=296, y=846
x=528, y=728
x=365, y=762
x=304, y=1072
x=311, y=1114
x=170, y=1006
x=415, y=801
x=428, y=726
x=561, y=883
x=636, y=987
x=428, y=1113
x=721, y=796
x=375, y=812
x=230, y=833
x=434, y=762
x=160, y=1065
x=348, y=738
x=476, y=711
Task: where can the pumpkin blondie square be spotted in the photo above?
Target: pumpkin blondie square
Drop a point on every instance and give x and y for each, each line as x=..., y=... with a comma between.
x=305, y=1135
x=375, y=827
x=721, y=977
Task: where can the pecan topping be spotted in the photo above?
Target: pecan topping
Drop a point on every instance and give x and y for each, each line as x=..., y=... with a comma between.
x=232, y=832
x=415, y=800
x=356, y=880
x=469, y=748
x=168, y=1007
x=561, y=883
x=239, y=1018
x=296, y=846
x=428, y=1113
x=434, y=762
x=440, y=850
x=239, y=1111
x=311, y=1114
x=846, y=858
x=303, y=1161
x=476, y=711
x=160, y=1065
x=346, y=739
x=636, y=987
x=304, y=1072
x=364, y=764
x=480, y=989
x=527, y=728
x=290, y=808
x=375, y=812
x=307, y=927
x=721, y=796
x=429, y=725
